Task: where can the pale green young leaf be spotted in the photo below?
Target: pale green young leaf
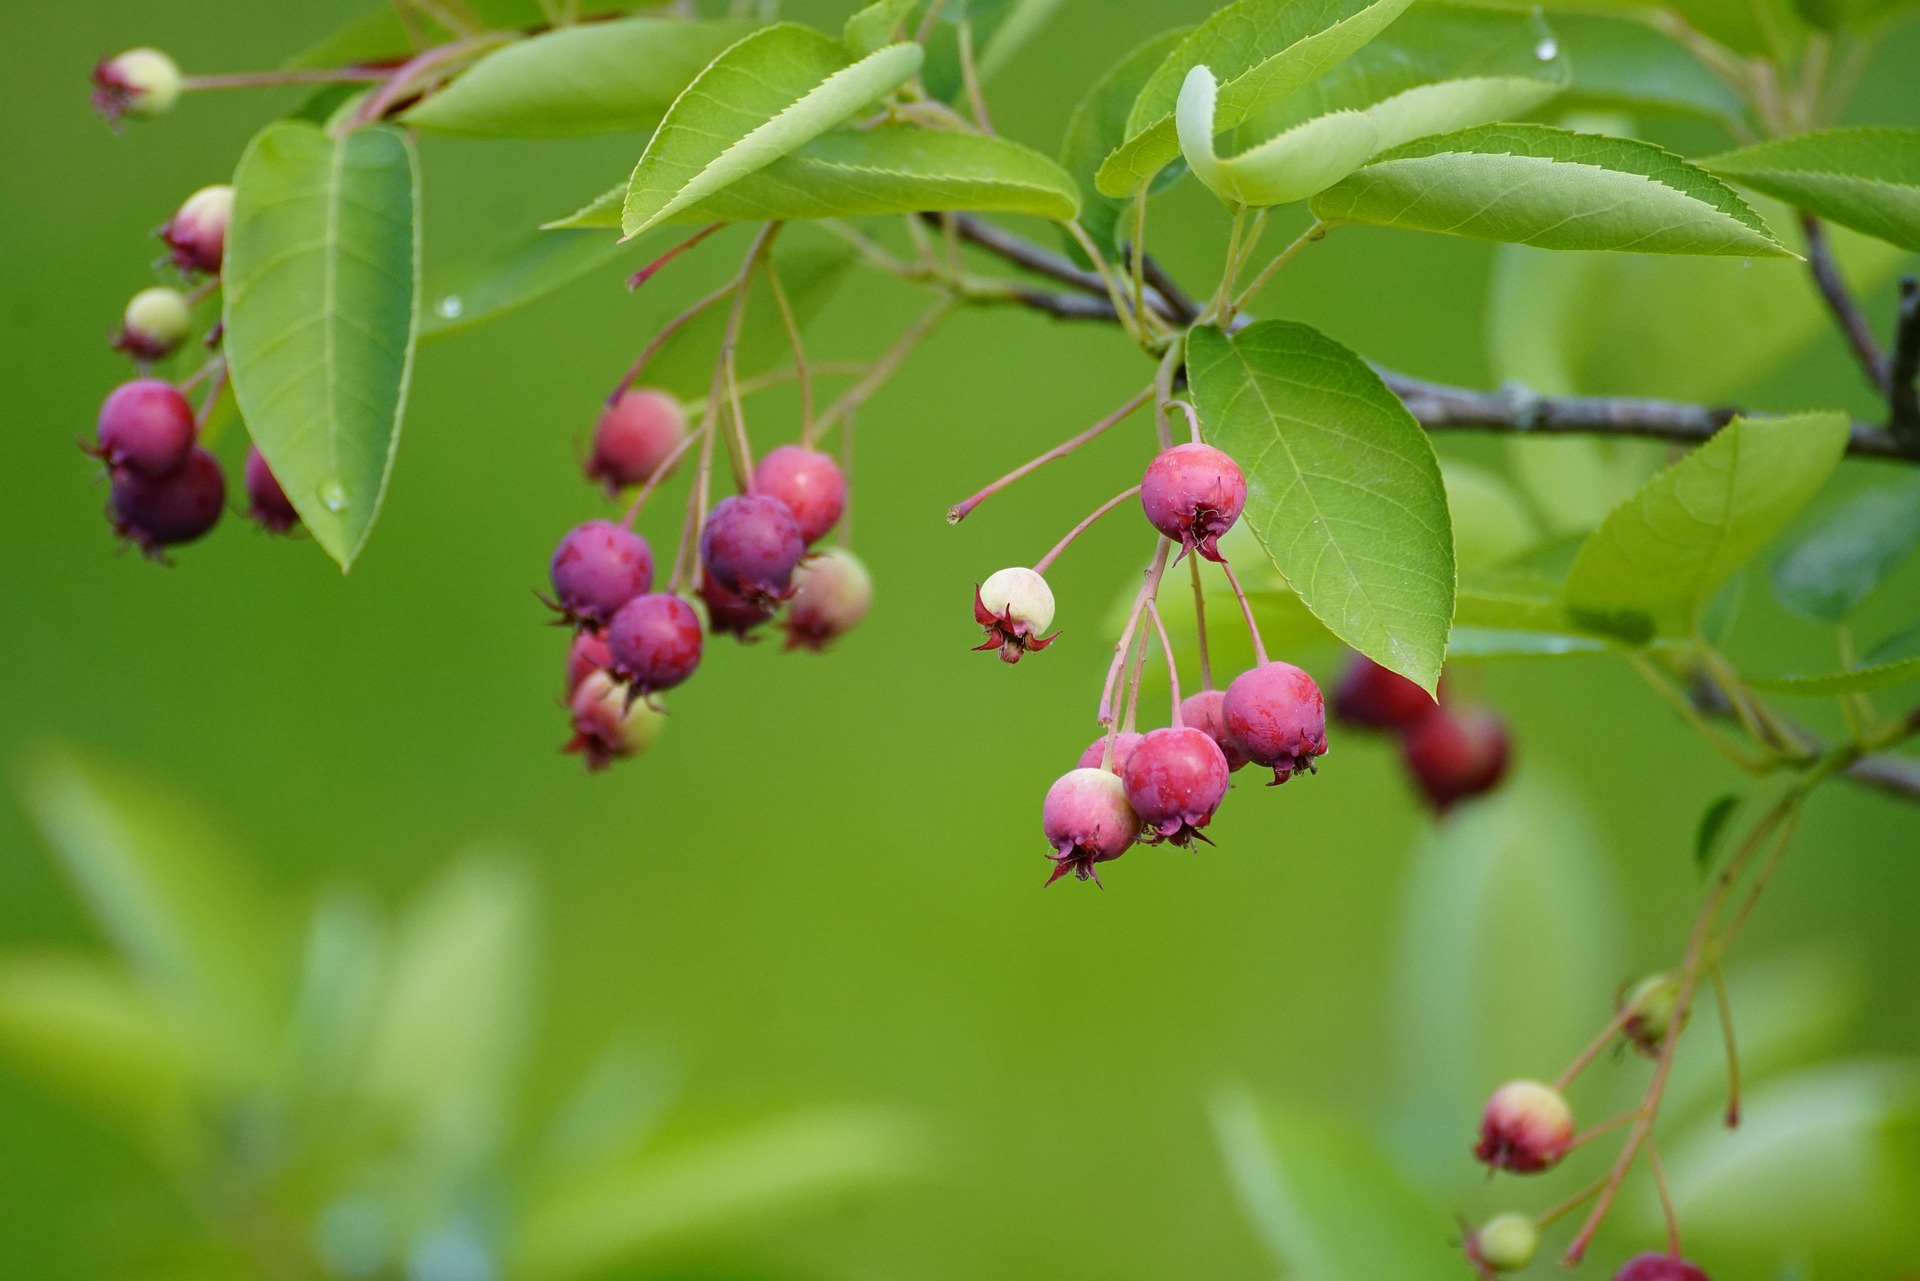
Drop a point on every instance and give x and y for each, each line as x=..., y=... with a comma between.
x=1834, y=566
x=322, y=289
x=1099, y=124
x=1867, y=179
x=1652, y=564
x=1529, y=184
x=527, y=270
x=1290, y=166
x=765, y=97
x=1259, y=50
x=1621, y=63
x=1344, y=491
x=875, y=26
x=1858, y=680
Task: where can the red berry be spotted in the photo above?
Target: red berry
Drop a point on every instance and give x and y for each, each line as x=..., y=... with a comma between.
x=655, y=641
x=1658, y=1267
x=1207, y=711
x=634, y=437
x=267, y=503
x=750, y=544
x=832, y=592
x=1087, y=821
x=607, y=725
x=808, y=482
x=597, y=568
x=731, y=612
x=165, y=511
x=1274, y=714
x=1123, y=745
x=146, y=427
x=1454, y=755
x=1015, y=606
x=1370, y=696
x=1193, y=493
x=1175, y=781
x=196, y=236
x=588, y=654
x=1526, y=1128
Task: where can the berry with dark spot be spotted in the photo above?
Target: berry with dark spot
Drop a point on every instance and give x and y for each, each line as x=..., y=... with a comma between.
x=1088, y=821
x=1193, y=493
x=731, y=612
x=808, y=482
x=750, y=544
x=607, y=726
x=1370, y=696
x=267, y=503
x=196, y=235
x=1175, y=780
x=634, y=437
x=1207, y=711
x=146, y=428
x=1454, y=755
x=142, y=83
x=1658, y=1267
x=655, y=641
x=165, y=511
x=1274, y=714
x=1015, y=606
x=832, y=592
x=1123, y=745
x=155, y=323
x=1526, y=1128
x=597, y=568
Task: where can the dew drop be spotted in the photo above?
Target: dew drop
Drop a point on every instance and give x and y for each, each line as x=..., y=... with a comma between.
x=1547, y=50
x=450, y=307
x=333, y=495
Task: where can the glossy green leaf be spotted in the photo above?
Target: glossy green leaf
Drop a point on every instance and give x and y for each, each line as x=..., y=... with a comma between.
x=1858, y=680
x=1290, y=166
x=876, y=25
x=1528, y=184
x=1259, y=50
x=1833, y=567
x=1099, y=124
x=764, y=98
x=596, y=77
x=1344, y=491
x=1623, y=63
x=322, y=288
x=1323, y=1200
x=523, y=272
x=1867, y=178
x=1655, y=560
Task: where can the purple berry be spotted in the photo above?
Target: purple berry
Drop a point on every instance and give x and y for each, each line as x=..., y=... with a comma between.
x=597, y=568
x=1123, y=745
x=808, y=482
x=267, y=503
x=165, y=511
x=1087, y=821
x=1193, y=493
x=1658, y=1267
x=1207, y=711
x=607, y=726
x=634, y=437
x=196, y=235
x=832, y=592
x=1454, y=755
x=1275, y=715
x=1527, y=1128
x=1370, y=696
x=655, y=641
x=731, y=612
x=142, y=83
x=1175, y=780
x=750, y=544
x=146, y=427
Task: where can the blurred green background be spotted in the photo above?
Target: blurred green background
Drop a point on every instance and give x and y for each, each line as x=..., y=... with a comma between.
x=824, y=883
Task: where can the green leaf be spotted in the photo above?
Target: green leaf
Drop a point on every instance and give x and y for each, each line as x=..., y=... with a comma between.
x=1099, y=124
x=1655, y=560
x=765, y=97
x=1622, y=63
x=895, y=170
x=1290, y=166
x=1491, y=643
x=1858, y=680
x=1866, y=178
x=1709, y=837
x=322, y=289
x=1344, y=491
x=595, y=77
x=876, y=25
x=1323, y=1200
x=527, y=270
x=1528, y=184
x=1832, y=568
x=1259, y=50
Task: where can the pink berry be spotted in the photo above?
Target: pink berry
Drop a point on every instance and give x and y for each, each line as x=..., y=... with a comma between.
x=146, y=427
x=1454, y=755
x=731, y=612
x=808, y=482
x=1207, y=711
x=607, y=726
x=832, y=592
x=267, y=503
x=196, y=235
x=1175, y=780
x=655, y=641
x=1193, y=493
x=1526, y=1128
x=1087, y=821
x=750, y=544
x=142, y=83
x=1658, y=1267
x=1123, y=745
x=1370, y=696
x=1014, y=605
x=1275, y=716
x=597, y=568
x=165, y=511
x=634, y=437
x=587, y=655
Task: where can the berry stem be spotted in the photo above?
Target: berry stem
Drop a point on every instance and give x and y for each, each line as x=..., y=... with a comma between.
x=1173, y=671
x=961, y=510
x=884, y=368
x=1041, y=566
x=1155, y=568
x=1138, y=664
x=1246, y=608
x=1193, y=418
x=970, y=76
x=648, y=272
x=1560, y=1209
x=659, y=340
x=1128, y=318
x=800, y=368
x=1200, y=623
x=667, y=464
x=1170, y=365
x=1666, y=1198
x=1732, y=1045
x=289, y=76
x=1603, y=1129
x=1597, y=1046
x=215, y=385
x=723, y=369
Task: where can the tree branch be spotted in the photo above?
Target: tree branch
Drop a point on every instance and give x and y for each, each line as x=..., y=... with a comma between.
x=1853, y=322
x=1904, y=400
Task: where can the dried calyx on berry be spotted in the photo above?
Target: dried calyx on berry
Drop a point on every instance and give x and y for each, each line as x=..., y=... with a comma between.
x=1659, y=1267
x=1527, y=1128
x=1274, y=714
x=146, y=428
x=808, y=482
x=832, y=592
x=158, y=512
x=1651, y=1007
x=1192, y=494
x=196, y=235
x=634, y=437
x=1123, y=745
x=1015, y=606
x=1455, y=754
x=1370, y=696
x=597, y=568
x=730, y=612
x=154, y=324
x=1175, y=780
x=655, y=641
x=607, y=726
x=142, y=83
x=750, y=544
x=1207, y=711
x=1504, y=1243
x=267, y=503
x=1088, y=821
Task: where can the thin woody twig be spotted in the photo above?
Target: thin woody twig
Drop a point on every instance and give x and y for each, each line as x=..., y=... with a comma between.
x=1839, y=299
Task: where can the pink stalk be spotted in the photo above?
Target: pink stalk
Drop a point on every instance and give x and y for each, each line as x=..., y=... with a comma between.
x=1173, y=672
x=647, y=272
x=1041, y=566
x=1246, y=608
x=959, y=511
x=659, y=340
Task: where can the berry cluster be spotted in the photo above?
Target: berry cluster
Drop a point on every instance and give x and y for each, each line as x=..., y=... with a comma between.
x=1452, y=754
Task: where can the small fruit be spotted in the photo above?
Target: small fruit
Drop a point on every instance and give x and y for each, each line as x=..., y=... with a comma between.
x=1274, y=714
x=587, y=655
x=1193, y=493
x=1123, y=745
x=1454, y=755
x=750, y=544
x=634, y=437
x=196, y=235
x=155, y=323
x=1654, y=1001
x=808, y=482
x=1207, y=711
x=1015, y=606
x=1504, y=1243
x=597, y=568
x=1658, y=1267
x=142, y=83
x=165, y=511
x=606, y=725
x=1175, y=780
x=731, y=612
x=267, y=503
x=1370, y=696
x=832, y=592
x=1526, y=1128
x=146, y=428
x=655, y=641
x=1087, y=821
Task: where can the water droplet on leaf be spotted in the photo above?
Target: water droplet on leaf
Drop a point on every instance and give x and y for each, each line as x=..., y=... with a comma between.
x=450, y=307
x=333, y=496
x=1547, y=50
